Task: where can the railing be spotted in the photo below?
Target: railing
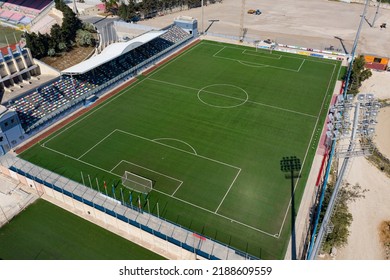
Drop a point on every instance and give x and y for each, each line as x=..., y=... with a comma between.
x=161, y=228
x=102, y=88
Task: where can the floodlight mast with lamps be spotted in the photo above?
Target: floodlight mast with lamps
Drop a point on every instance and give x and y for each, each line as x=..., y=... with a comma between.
x=315, y=242
x=354, y=47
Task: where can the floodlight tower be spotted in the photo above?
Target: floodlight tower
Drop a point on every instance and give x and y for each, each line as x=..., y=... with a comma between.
x=292, y=166
x=202, y=20
x=75, y=7
x=360, y=126
x=376, y=13
x=242, y=31
x=354, y=48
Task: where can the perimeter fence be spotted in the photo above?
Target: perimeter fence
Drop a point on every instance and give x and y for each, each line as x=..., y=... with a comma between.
x=100, y=205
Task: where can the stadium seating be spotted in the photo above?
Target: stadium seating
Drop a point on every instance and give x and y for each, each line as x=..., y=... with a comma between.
x=174, y=34
x=48, y=99
x=44, y=101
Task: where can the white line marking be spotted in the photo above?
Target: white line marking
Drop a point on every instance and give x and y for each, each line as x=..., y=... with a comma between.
x=231, y=185
x=171, y=196
x=219, y=51
x=139, y=82
x=260, y=64
x=167, y=176
x=96, y=144
x=284, y=54
x=119, y=94
x=151, y=170
x=232, y=97
x=187, y=152
x=243, y=101
x=174, y=59
x=178, y=187
x=248, y=52
x=253, y=64
x=308, y=147
x=112, y=169
x=299, y=69
x=174, y=139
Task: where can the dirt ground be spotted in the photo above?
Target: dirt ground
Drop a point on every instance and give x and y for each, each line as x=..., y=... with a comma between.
x=308, y=23
x=369, y=212
x=13, y=198
x=315, y=24
x=66, y=60
x=378, y=84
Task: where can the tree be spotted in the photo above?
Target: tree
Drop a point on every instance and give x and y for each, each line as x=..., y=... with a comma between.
x=341, y=218
x=70, y=24
x=85, y=38
x=56, y=34
x=111, y=5
x=51, y=52
x=89, y=27
x=127, y=12
x=358, y=75
x=148, y=7
x=122, y=11
x=62, y=46
x=62, y=37
x=59, y=4
x=32, y=43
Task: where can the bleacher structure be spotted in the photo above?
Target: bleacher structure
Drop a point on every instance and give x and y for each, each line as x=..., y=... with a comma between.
x=21, y=12
x=16, y=67
x=92, y=77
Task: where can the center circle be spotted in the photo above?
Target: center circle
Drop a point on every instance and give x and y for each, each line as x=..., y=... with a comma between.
x=223, y=96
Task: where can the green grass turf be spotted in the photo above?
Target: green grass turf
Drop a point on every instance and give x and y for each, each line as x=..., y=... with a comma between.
x=45, y=231
x=8, y=33
x=219, y=119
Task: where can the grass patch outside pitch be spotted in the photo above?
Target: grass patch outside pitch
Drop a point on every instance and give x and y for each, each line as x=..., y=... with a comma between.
x=46, y=232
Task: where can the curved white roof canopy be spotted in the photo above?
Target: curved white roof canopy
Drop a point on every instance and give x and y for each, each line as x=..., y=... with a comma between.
x=111, y=52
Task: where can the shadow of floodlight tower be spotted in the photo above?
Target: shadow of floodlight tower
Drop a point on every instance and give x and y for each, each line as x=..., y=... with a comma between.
x=292, y=166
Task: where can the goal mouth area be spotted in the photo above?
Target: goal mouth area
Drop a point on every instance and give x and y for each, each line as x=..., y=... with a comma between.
x=136, y=182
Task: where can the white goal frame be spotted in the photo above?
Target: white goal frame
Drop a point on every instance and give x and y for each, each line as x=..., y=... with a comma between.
x=136, y=182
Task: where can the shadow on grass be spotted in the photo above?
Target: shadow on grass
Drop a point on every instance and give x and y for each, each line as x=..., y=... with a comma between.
x=291, y=166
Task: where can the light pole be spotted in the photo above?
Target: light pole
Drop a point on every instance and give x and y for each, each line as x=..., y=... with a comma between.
x=354, y=49
x=202, y=20
x=376, y=13
x=291, y=166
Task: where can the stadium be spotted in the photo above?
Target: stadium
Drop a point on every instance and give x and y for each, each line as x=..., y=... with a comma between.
x=201, y=149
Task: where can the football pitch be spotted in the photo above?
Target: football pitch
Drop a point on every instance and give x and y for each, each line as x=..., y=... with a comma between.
x=209, y=128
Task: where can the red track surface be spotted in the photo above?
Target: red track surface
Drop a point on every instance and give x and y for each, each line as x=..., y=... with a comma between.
x=64, y=122
x=81, y=112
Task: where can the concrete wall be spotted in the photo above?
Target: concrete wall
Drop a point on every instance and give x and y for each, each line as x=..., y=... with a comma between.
x=46, y=69
x=131, y=233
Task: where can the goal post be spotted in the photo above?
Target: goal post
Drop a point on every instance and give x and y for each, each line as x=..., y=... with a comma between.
x=136, y=182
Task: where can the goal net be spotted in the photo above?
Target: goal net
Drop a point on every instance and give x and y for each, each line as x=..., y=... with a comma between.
x=136, y=182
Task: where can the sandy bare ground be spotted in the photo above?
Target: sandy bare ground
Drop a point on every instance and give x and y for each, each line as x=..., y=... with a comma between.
x=308, y=23
x=369, y=212
x=378, y=84
x=14, y=198
x=383, y=132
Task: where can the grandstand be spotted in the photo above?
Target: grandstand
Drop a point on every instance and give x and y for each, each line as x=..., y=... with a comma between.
x=21, y=12
x=117, y=62
x=16, y=67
